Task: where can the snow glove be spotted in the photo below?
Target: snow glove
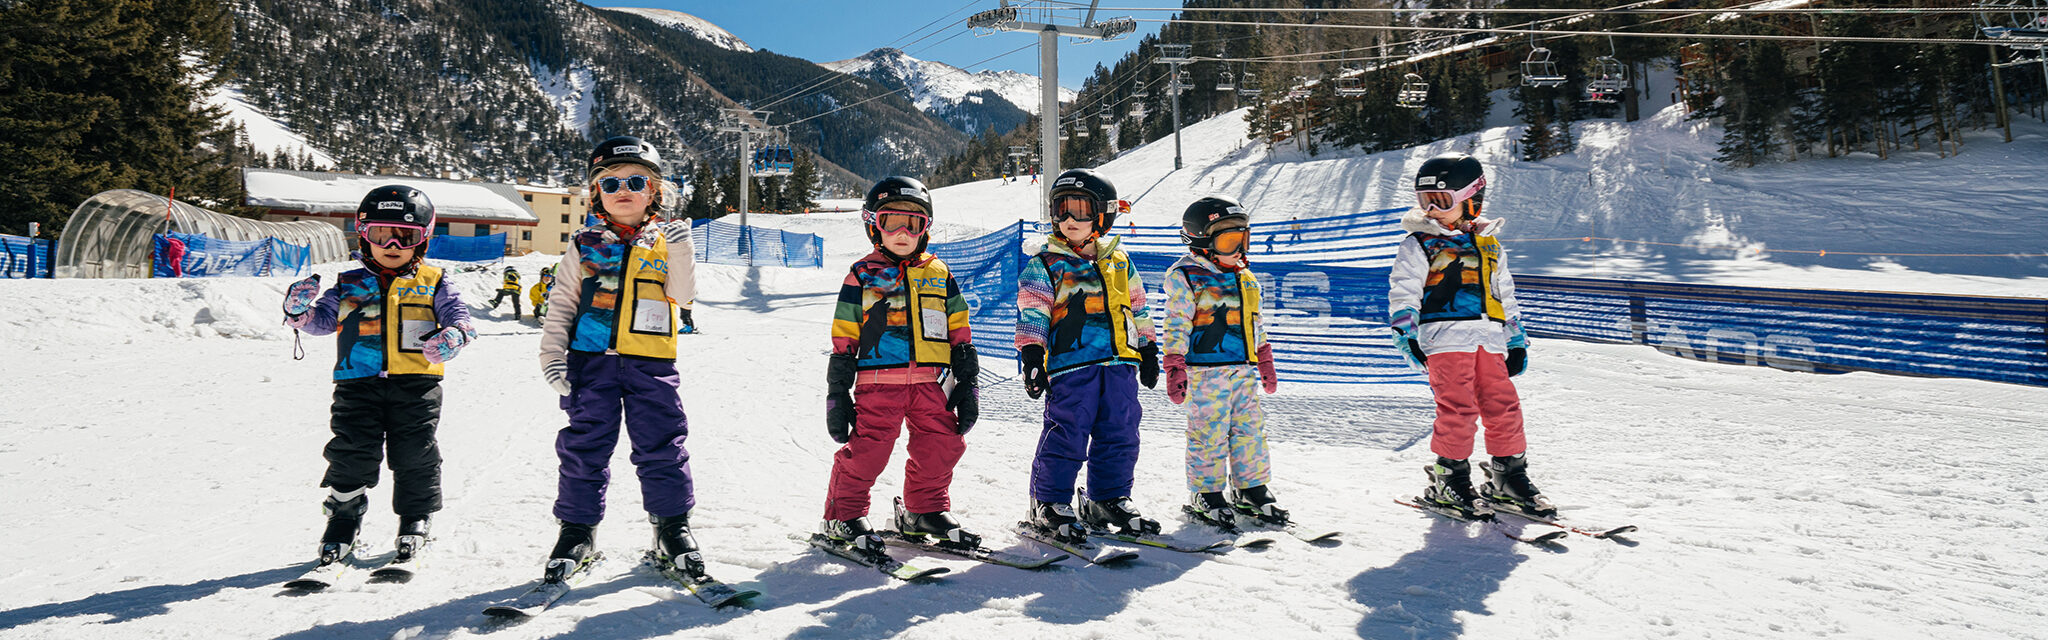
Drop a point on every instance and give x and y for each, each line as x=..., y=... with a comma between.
x=839, y=414
x=442, y=345
x=965, y=401
x=1518, y=361
x=1176, y=378
x=556, y=372
x=1148, y=366
x=1403, y=323
x=1267, y=376
x=1518, y=347
x=1032, y=359
x=298, y=301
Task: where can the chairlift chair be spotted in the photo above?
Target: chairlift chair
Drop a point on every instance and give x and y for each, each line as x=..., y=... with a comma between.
x=1250, y=86
x=2023, y=24
x=1226, y=82
x=1414, y=92
x=1539, y=70
x=1107, y=120
x=1350, y=84
x=1609, y=78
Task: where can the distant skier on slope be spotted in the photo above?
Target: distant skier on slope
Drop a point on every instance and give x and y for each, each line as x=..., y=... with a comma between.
x=1454, y=315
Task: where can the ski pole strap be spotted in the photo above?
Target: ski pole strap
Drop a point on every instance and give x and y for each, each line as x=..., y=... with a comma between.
x=298, y=349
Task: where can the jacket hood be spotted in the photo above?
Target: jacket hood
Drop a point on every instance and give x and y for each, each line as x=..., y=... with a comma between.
x=1414, y=221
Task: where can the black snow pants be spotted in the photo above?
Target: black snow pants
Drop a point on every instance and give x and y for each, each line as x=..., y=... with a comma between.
x=398, y=415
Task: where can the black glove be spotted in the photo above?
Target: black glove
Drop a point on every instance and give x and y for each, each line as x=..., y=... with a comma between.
x=1148, y=365
x=1518, y=359
x=839, y=414
x=1032, y=359
x=965, y=402
x=1415, y=349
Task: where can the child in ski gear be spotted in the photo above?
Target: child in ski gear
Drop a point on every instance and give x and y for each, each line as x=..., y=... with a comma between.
x=398, y=322
x=608, y=346
x=1452, y=306
x=1085, y=342
x=1216, y=347
x=539, y=293
x=901, y=353
x=510, y=289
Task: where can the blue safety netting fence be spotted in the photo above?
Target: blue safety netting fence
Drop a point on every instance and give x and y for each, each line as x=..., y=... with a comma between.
x=723, y=243
x=487, y=248
x=199, y=256
x=1325, y=308
x=24, y=257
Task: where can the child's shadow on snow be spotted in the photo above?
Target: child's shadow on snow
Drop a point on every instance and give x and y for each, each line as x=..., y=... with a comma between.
x=1459, y=566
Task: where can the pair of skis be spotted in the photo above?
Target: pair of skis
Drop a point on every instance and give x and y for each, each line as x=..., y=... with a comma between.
x=328, y=572
x=1260, y=524
x=882, y=561
x=564, y=575
x=1564, y=528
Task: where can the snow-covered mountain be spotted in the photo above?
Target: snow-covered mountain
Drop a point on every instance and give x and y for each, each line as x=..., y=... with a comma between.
x=692, y=24
x=937, y=84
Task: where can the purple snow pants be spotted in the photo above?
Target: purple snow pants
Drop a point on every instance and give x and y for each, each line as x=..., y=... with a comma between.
x=1091, y=416
x=602, y=389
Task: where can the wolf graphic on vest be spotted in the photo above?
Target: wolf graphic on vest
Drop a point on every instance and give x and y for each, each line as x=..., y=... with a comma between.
x=1209, y=335
x=874, y=325
x=1072, y=323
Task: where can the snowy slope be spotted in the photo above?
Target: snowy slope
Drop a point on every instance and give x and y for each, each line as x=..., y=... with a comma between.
x=687, y=23
x=265, y=133
x=936, y=84
x=169, y=485
x=1647, y=184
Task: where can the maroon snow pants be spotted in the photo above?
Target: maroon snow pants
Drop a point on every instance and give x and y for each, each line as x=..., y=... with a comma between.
x=880, y=412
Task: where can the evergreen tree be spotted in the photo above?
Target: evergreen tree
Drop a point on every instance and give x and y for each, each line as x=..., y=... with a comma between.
x=703, y=194
x=800, y=189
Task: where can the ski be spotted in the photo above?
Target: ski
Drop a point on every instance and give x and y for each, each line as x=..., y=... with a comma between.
x=325, y=573
x=709, y=590
x=1602, y=533
x=879, y=561
x=560, y=578
x=402, y=566
x=1077, y=547
x=1157, y=541
x=1292, y=528
x=1493, y=523
x=983, y=554
x=1229, y=528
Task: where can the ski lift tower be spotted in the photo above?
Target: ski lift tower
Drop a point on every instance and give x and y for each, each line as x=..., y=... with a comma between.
x=1008, y=18
x=1175, y=55
x=746, y=123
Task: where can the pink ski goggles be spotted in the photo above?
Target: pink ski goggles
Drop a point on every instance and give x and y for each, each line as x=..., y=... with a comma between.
x=392, y=236
x=1445, y=199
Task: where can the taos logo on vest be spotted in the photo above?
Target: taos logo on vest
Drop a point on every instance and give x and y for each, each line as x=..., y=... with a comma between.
x=415, y=290
x=655, y=265
x=936, y=282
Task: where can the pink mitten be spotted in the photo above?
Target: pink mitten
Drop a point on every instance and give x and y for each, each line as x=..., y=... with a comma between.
x=1177, y=378
x=1266, y=373
x=444, y=344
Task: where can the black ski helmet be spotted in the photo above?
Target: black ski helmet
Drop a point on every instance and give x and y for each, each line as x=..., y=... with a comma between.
x=895, y=189
x=1453, y=172
x=394, y=204
x=1091, y=184
x=1205, y=213
x=623, y=150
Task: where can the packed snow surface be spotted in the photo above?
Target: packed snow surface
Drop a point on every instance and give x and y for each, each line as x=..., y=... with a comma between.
x=163, y=484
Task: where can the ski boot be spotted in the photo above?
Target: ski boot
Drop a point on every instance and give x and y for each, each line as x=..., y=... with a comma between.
x=673, y=543
x=575, y=548
x=1450, y=487
x=1057, y=519
x=855, y=534
x=1257, y=503
x=344, y=510
x=412, y=537
x=938, y=527
x=1117, y=515
x=1507, y=482
x=1211, y=508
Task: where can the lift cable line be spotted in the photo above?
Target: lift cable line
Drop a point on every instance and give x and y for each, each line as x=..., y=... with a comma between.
x=1556, y=32
x=1616, y=11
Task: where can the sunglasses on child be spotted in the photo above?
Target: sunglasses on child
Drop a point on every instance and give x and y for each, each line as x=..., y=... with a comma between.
x=391, y=236
x=634, y=184
x=894, y=220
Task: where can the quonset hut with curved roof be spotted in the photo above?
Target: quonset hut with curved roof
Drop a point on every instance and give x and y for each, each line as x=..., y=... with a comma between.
x=112, y=234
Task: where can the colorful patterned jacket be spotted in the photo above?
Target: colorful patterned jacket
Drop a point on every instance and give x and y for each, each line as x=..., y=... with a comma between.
x=381, y=324
x=1084, y=312
x=1212, y=315
x=900, y=315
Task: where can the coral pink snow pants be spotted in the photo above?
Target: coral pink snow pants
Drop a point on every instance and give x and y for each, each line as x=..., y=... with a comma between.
x=880, y=411
x=1471, y=386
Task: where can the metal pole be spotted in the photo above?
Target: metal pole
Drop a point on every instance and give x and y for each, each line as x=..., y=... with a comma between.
x=1048, y=114
x=1998, y=94
x=1175, y=85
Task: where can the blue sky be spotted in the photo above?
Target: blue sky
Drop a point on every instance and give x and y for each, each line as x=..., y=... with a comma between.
x=823, y=31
